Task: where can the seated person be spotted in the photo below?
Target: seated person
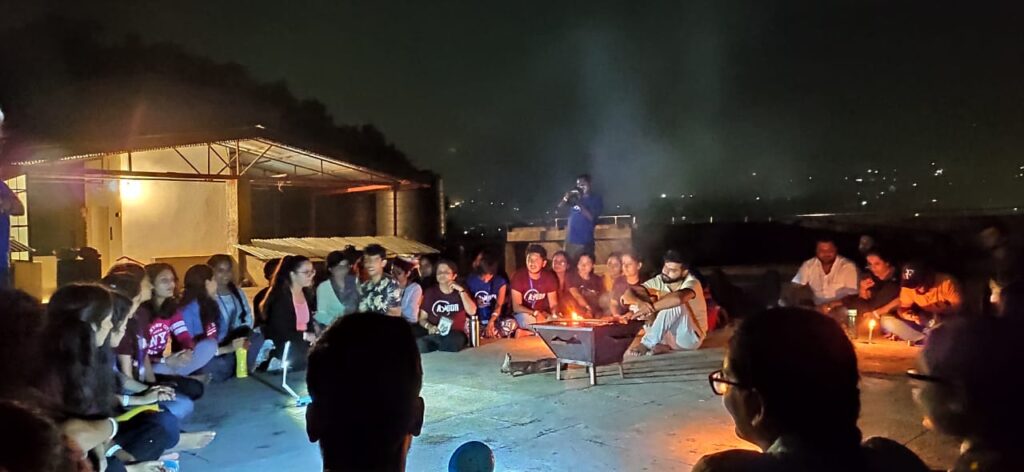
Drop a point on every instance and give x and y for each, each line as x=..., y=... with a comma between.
x=534, y=291
x=926, y=299
x=678, y=316
x=490, y=292
x=339, y=294
x=202, y=317
x=346, y=421
x=444, y=312
x=879, y=287
x=380, y=292
x=628, y=281
x=236, y=319
x=560, y=266
x=412, y=293
x=585, y=289
x=288, y=308
x=257, y=301
x=824, y=279
x=612, y=271
x=967, y=390
x=772, y=359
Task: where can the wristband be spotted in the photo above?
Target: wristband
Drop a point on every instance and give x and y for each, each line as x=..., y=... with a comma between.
x=124, y=399
x=113, y=450
x=113, y=425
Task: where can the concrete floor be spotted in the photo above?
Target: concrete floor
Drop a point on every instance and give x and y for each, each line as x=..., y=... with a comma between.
x=662, y=416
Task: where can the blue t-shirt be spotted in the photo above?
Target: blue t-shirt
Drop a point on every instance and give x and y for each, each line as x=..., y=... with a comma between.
x=485, y=294
x=581, y=230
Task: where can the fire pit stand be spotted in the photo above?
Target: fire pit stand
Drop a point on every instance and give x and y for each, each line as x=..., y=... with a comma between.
x=590, y=343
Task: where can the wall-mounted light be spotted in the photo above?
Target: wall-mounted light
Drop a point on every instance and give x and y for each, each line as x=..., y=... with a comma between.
x=131, y=190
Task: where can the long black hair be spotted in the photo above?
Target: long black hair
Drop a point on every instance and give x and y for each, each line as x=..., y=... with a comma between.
x=218, y=259
x=280, y=283
x=194, y=290
x=81, y=371
x=167, y=307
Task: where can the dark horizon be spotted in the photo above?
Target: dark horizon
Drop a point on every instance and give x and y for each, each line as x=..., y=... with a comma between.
x=754, y=108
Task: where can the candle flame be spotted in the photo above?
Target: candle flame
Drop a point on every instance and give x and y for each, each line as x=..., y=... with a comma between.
x=871, y=324
x=575, y=316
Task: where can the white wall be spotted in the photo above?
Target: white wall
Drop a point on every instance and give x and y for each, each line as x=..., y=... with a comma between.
x=170, y=219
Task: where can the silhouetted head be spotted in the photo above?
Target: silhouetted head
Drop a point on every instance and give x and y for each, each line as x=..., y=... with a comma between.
x=364, y=411
x=792, y=372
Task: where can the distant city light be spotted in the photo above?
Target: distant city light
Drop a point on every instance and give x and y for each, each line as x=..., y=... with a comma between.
x=938, y=172
x=663, y=195
x=863, y=203
x=754, y=174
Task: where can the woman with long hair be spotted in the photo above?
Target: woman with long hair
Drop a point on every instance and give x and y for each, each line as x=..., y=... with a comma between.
x=585, y=288
x=289, y=308
x=338, y=295
x=81, y=322
x=202, y=315
x=412, y=293
x=237, y=320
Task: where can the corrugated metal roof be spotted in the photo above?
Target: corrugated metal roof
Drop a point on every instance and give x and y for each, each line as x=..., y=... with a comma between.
x=19, y=247
x=318, y=248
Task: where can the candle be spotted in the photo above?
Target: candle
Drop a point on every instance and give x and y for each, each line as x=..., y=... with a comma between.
x=871, y=328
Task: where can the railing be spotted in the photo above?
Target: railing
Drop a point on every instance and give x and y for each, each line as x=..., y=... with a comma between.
x=616, y=220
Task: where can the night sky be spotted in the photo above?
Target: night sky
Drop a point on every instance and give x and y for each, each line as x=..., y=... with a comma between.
x=741, y=103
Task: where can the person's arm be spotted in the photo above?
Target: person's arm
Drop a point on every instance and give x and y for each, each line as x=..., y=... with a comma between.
x=10, y=203
x=468, y=303
x=124, y=361
x=950, y=296
x=88, y=434
x=181, y=332
x=552, y=300
x=580, y=300
x=517, y=303
x=150, y=376
x=674, y=299
x=500, y=300
x=848, y=280
x=426, y=324
x=395, y=301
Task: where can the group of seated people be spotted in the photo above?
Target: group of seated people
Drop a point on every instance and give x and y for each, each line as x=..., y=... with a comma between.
x=908, y=301
x=111, y=369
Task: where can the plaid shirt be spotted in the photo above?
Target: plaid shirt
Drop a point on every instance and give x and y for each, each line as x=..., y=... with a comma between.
x=379, y=297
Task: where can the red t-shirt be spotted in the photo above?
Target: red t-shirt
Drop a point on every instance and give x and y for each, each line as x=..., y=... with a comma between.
x=535, y=292
x=439, y=305
x=160, y=332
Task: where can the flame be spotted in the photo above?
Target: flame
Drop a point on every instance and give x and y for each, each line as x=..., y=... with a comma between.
x=871, y=324
x=576, y=316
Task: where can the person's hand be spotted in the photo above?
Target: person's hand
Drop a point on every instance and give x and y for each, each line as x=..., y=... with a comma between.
x=867, y=283
x=457, y=287
x=239, y=343
x=644, y=310
x=433, y=330
x=309, y=337
x=157, y=394
x=542, y=316
x=492, y=328
x=149, y=466
x=179, y=359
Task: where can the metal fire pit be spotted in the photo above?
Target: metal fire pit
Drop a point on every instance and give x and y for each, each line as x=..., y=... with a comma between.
x=590, y=343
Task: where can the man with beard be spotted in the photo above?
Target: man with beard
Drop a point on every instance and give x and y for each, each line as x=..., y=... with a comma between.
x=678, y=315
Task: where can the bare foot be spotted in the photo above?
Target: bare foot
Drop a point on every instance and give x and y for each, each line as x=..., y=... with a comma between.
x=638, y=351
x=661, y=349
x=150, y=466
x=172, y=456
x=193, y=441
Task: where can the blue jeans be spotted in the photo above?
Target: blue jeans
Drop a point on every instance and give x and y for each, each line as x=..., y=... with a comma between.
x=904, y=329
x=525, y=321
x=180, y=407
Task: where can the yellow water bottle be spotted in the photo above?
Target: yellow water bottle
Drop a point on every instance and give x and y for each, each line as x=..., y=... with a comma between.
x=241, y=363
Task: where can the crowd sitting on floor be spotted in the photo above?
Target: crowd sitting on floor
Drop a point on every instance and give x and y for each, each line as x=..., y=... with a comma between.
x=104, y=374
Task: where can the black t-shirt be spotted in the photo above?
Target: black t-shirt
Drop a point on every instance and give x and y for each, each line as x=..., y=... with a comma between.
x=440, y=305
x=591, y=289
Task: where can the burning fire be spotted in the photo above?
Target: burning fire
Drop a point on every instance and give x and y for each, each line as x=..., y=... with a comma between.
x=575, y=316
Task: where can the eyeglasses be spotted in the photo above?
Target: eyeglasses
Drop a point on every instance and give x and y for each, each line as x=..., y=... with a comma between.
x=916, y=375
x=721, y=385
x=306, y=272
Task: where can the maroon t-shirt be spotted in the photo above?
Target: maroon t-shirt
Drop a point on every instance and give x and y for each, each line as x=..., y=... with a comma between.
x=535, y=292
x=440, y=305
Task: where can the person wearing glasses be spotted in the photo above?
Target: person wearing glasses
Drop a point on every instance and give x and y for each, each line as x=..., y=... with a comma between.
x=289, y=309
x=968, y=387
x=790, y=382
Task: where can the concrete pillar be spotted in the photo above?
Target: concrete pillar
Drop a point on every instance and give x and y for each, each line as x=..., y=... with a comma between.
x=239, y=211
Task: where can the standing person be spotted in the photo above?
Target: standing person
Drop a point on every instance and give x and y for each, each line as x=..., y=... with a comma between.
x=585, y=207
x=10, y=205
x=380, y=292
x=347, y=422
x=534, y=291
x=585, y=288
x=444, y=312
x=827, y=278
x=770, y=356
x=678, y=315
x=339, y=294
x=412, y=293
x=289, y=308
x=490, y=291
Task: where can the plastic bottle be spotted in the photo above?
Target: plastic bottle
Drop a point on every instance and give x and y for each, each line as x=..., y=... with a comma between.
x=241, y=363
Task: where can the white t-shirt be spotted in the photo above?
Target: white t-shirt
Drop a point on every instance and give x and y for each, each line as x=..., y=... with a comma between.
x=838, y=283
x=659, y=288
